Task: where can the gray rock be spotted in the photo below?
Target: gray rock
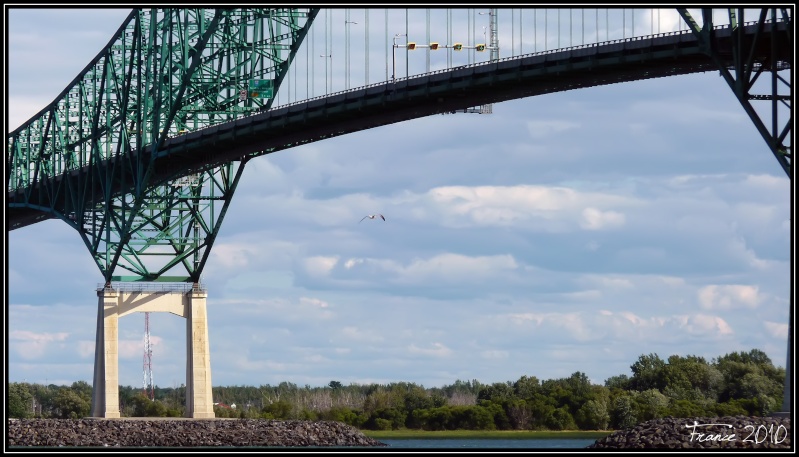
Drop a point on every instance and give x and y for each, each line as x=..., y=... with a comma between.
x=178, y=432
x=729, y=432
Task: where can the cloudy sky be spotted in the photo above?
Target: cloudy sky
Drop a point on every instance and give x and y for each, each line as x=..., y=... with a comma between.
x=569, y=232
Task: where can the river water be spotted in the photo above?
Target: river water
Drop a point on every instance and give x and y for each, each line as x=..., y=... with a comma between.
x=488, y=444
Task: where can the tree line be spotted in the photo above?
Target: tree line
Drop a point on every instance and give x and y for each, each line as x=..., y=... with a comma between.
x=738, y=383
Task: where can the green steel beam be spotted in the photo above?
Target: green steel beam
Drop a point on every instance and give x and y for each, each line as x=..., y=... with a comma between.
x=169, y=71
x=165, y=72
x=753, y=61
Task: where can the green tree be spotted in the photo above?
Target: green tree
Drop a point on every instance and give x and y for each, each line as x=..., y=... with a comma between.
x=433, y=418
x=526, y=387
x=622, y=413
x=691, y=378
x=738, y=407
x=648, y=373
x=341, y=414
x=751, y=376
x=281, y=409
x=497, y=411
x=763, y=390
x=45, y=399
x=82, y=388
x=542, y=408
x=20, y=400
x=593, y=415
x=562, y=420
x=686, y=408
x=498, y=392
x=139, y=405
x=520, y=414
x=418, y=398
x=650, y=404
x=478, y=418
x=70, y=405
x=621, y=381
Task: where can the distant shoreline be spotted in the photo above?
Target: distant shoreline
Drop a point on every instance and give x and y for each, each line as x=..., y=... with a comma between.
x=486, y=434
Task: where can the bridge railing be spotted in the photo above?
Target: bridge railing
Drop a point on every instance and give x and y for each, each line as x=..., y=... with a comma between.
x=58, y=162
x=156, y=287
x=682, y=33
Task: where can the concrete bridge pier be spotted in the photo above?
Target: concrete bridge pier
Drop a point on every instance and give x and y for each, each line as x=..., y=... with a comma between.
x=131, y=298
x=199, y=399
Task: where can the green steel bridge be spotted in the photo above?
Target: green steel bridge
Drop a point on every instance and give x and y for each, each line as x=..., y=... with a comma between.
x=142, y=152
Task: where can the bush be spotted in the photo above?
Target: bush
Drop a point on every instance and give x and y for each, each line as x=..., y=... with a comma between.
x=382, y=424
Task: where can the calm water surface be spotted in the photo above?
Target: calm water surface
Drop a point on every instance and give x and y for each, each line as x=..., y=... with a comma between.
x=518, y=444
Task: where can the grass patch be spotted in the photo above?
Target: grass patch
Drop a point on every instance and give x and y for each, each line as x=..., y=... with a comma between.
x=484, y=434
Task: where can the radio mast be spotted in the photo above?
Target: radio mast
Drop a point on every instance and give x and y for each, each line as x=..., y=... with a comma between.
x=148, y=388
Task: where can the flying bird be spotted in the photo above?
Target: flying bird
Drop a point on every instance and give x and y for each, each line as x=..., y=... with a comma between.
x=372, y=216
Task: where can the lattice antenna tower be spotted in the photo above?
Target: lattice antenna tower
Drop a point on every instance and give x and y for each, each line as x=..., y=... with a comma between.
x=148, y=388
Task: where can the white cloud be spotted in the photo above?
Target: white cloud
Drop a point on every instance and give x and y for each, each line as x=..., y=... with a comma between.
x=455, y=268
x=313, y=302
x=553, y=208
x=31, y=345
x=777, y=330
x=86, y=349
x=567, y=232
x=233, y=256
x=436, y=350
x=726, y=297
x=357, y=334
x=594, y=219
x=352, y=262
x=131, y=349
x=703, y=324
x=320, y=265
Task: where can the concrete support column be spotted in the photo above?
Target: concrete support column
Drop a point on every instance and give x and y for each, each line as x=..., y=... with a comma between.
x=148, y=297
x=199, y=399
x=105, y=392
x=788, y=391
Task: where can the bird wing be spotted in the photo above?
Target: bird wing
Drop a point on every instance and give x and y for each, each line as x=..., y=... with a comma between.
x=362, y=219
x=382, y=217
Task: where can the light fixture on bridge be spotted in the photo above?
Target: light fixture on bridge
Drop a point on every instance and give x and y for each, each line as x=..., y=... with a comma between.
x=411, y=46
x=394, y=56
x=433, y=46
x=457, y=46
x=480, y=47
x=328, y=56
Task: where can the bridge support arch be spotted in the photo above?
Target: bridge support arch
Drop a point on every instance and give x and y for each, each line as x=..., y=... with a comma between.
x=114, y=303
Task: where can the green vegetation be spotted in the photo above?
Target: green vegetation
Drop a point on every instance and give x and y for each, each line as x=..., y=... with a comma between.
x=481, y=434
x=740, y=383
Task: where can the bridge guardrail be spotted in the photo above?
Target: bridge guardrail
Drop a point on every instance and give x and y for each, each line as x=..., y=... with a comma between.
x=166, y=287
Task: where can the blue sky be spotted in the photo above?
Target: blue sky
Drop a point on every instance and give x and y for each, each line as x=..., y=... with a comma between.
x=568, y=232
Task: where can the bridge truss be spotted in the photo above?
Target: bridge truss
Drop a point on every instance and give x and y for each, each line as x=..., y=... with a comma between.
x=753, y=61
x=165, y=72
x=89, y=157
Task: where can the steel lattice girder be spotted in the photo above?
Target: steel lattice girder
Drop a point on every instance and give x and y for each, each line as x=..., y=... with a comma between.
x=174, y=227
x=165, y=72
x=751, y=61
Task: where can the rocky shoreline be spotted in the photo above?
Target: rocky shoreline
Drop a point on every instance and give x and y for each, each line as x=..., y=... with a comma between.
x=147, y=432
x=729, y=432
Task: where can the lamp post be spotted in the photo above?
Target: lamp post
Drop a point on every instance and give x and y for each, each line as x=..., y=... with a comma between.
x=331, y=70
x=394, y=57
x=347, y=52
x=493, y=42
